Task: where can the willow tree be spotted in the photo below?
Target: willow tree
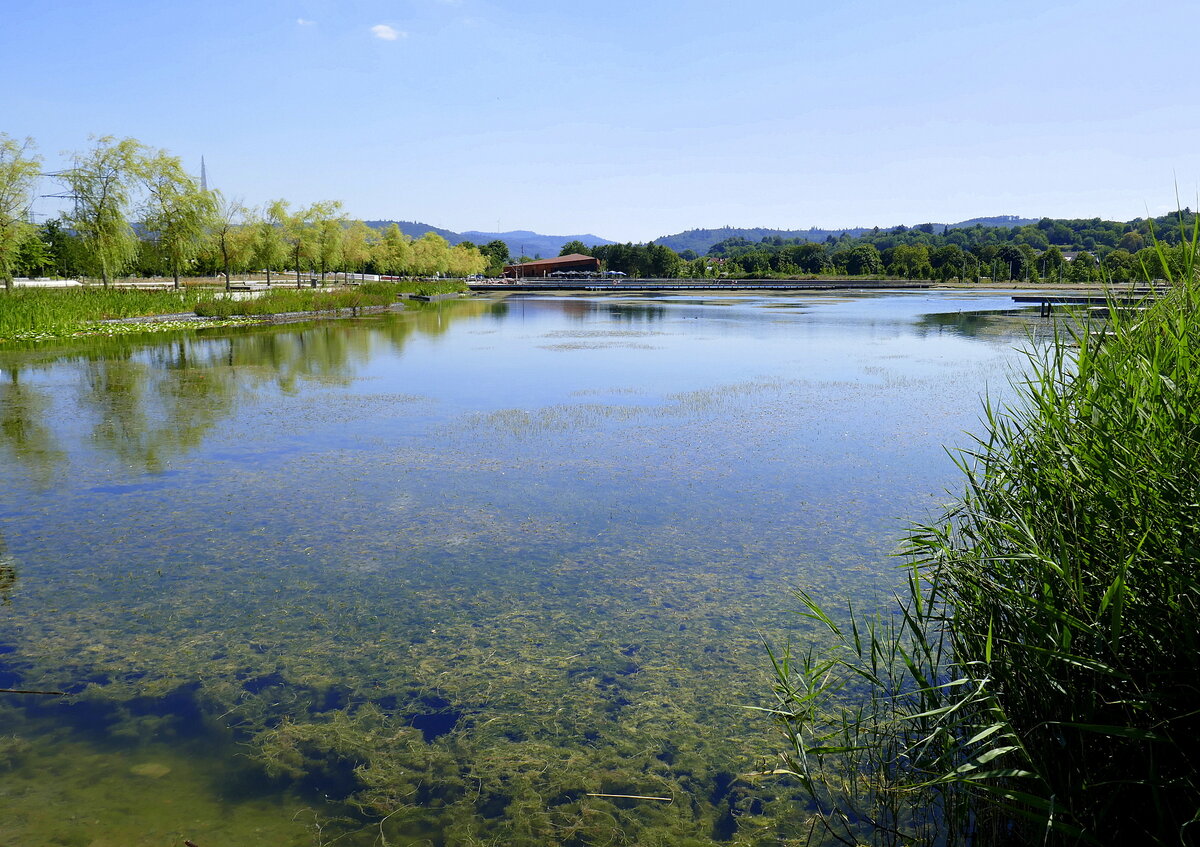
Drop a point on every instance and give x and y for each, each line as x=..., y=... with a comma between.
x=228, y=236
x=392, y=254
x=298, y=233
x=177, y=213
x=270, y=245
x=358, y=242
x=328, y=226
x=102, y=182
x=465, y=261
x=18, y=175
x=430, y=254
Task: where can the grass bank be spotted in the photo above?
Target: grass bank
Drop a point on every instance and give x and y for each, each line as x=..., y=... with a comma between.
x=1038, y=680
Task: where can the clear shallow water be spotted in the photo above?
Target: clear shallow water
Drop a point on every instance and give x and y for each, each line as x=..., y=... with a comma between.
x=442, y=576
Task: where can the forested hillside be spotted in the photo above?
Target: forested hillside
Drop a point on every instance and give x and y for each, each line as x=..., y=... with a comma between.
x=700, y=241
x=1081, y=250
x=1085, y=250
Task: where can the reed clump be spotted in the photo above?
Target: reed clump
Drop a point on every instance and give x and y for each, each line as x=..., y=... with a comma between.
x=284, y=300
x=1040, y=679
x=24, y=311
x=35, y=313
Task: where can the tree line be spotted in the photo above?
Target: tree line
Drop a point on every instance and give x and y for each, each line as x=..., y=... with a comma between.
x=1050, y=250
x=136, y=210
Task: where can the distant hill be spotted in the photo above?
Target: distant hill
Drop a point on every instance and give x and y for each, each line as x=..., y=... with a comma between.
x=415, y=229
x=520, y=242
x=701, y=240
x=998, y=220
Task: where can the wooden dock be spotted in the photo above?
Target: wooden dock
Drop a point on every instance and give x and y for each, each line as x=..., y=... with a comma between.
x=1047, y=302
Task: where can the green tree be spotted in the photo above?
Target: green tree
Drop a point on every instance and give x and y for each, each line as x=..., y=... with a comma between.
x=1083, y=268
x=270, y=245
x=575, y=246
x=392, y=254
x=911, y=261
x=102, y=182
x=465, y=260
x=328, y=225
x=497, y=256
x=1051, y=262
x=948, y=261
x=66, y=248
x=298, y=233
x=808, y=256
x=864, y=259
x=1132, y=241
x=1150, y=266
x=177, y=213
x=1013, y=261
x=1120, y=266
x=230, y=237
x=430, y=255
x=358, y=242
x=34, y=255
x=19, y=168
x=662, y=262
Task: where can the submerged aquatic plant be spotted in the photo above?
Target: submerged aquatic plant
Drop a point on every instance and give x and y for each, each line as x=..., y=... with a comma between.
x=1038, y=680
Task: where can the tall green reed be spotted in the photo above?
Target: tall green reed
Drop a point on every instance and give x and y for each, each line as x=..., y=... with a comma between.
x=282, y=300
x=1039, y=679
x=25, y=310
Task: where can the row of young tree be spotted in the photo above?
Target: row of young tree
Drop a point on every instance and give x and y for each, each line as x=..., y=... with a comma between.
x=137, y=210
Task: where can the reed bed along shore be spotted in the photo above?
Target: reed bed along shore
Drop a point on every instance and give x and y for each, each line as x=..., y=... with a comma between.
x=37, y=313
x=49, y=312
x=1036, y=682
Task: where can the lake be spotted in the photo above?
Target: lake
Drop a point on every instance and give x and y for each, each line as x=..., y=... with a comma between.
x=448, y=576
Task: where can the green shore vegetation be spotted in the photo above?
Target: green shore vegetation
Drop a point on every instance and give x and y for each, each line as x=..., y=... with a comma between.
x=287, y=300
x=42, y=313
x=1036, y=683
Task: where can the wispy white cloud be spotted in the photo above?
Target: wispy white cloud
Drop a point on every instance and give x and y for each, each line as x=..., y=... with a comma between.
x=304, y=22
x=387, y=33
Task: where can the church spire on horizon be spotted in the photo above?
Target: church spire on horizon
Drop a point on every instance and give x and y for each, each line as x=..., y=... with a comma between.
x=203, y=176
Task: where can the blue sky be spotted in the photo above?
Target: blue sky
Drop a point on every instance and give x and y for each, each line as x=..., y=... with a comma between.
x=630, y=120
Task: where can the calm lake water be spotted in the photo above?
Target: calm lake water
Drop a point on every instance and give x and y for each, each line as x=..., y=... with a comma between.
x=440, y=577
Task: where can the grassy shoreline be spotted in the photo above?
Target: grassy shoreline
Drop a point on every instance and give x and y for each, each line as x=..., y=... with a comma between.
x=47, y=313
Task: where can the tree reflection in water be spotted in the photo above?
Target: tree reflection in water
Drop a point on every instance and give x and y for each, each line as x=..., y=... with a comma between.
x=146, y=402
